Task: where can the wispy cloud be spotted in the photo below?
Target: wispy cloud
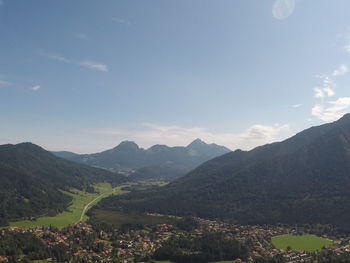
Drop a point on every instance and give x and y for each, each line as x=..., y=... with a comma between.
x=327, y=89
x=94, y=65
x=86, y=63
x=341, y=70
x=121, y=21
x=149, y=134
x=296, y=105
x=35, y=88
x=81, y=36
x=331, y=110
x=319, y=93
x=347, y=48
x=55, y=57
x=4, y=83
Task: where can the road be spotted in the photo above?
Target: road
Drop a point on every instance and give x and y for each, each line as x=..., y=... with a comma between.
x=87, y=207
x=98, y=197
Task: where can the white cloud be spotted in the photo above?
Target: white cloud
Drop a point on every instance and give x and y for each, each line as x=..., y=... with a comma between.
x=328, y=86
x=332, y=110
x=347, y=48
x=55, y=57
x=87, y=63
x=319, y=93
x=150, y=134
x=296, y=105
x=283, y=8
x=327, y=89
x=35, y=88
x=341, y=70
x=94, y=65
x=5, y=83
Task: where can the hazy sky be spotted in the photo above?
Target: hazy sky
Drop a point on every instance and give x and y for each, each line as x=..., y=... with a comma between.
x=84, y=75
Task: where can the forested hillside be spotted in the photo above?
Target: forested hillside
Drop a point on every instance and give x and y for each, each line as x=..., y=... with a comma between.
x=32, y=179
x=304, y=179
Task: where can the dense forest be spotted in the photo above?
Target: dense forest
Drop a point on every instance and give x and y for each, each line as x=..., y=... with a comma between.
x=209, y=248
x=24, y=247
x=32, y=180
x=304, y=179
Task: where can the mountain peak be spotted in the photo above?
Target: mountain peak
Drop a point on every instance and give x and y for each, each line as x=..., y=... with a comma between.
x=158, y=148
x=196, y=142
x=127, y=145
x=28, y=146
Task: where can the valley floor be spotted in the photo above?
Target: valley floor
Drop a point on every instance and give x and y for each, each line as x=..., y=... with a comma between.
x=112, y=236
x=82, y=202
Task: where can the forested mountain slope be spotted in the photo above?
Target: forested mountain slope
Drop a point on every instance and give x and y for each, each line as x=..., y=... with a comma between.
x=31, y=179
x=304, y=179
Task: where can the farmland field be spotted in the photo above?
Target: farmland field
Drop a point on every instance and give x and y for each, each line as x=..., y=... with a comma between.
x=81, y=202
x=214, y=262
x=118, y=219
x=310, y=243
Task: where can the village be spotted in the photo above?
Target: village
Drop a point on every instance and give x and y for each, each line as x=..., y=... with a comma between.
x=83, y=243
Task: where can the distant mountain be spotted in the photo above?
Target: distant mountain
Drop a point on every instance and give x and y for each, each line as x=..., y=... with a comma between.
x=304, y=179
x=66, y=155
x=31, y=180
x=157, y=162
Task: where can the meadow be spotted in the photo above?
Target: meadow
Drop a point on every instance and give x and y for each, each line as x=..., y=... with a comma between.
x=81, y=203
x=214, y=262
x=310, y=243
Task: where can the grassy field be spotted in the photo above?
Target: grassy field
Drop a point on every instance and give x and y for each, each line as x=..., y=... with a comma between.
x=214, y=262
x=310, y=243
x=119, y=219
x=82, y=201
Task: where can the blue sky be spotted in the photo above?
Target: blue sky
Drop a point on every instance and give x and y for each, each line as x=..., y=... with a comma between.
x=84, y=75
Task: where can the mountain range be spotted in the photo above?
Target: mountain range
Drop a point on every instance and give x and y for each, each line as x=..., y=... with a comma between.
x=304, y=179
x=157, y=162
x=32, y=180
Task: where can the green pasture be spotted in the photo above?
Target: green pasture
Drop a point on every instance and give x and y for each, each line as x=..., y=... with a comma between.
x=310, y=243
x=81, y=202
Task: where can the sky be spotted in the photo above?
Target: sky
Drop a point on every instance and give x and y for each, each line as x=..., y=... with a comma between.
x=85, y=75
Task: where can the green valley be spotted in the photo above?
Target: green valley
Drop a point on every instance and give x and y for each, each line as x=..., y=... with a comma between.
x=81, y=203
